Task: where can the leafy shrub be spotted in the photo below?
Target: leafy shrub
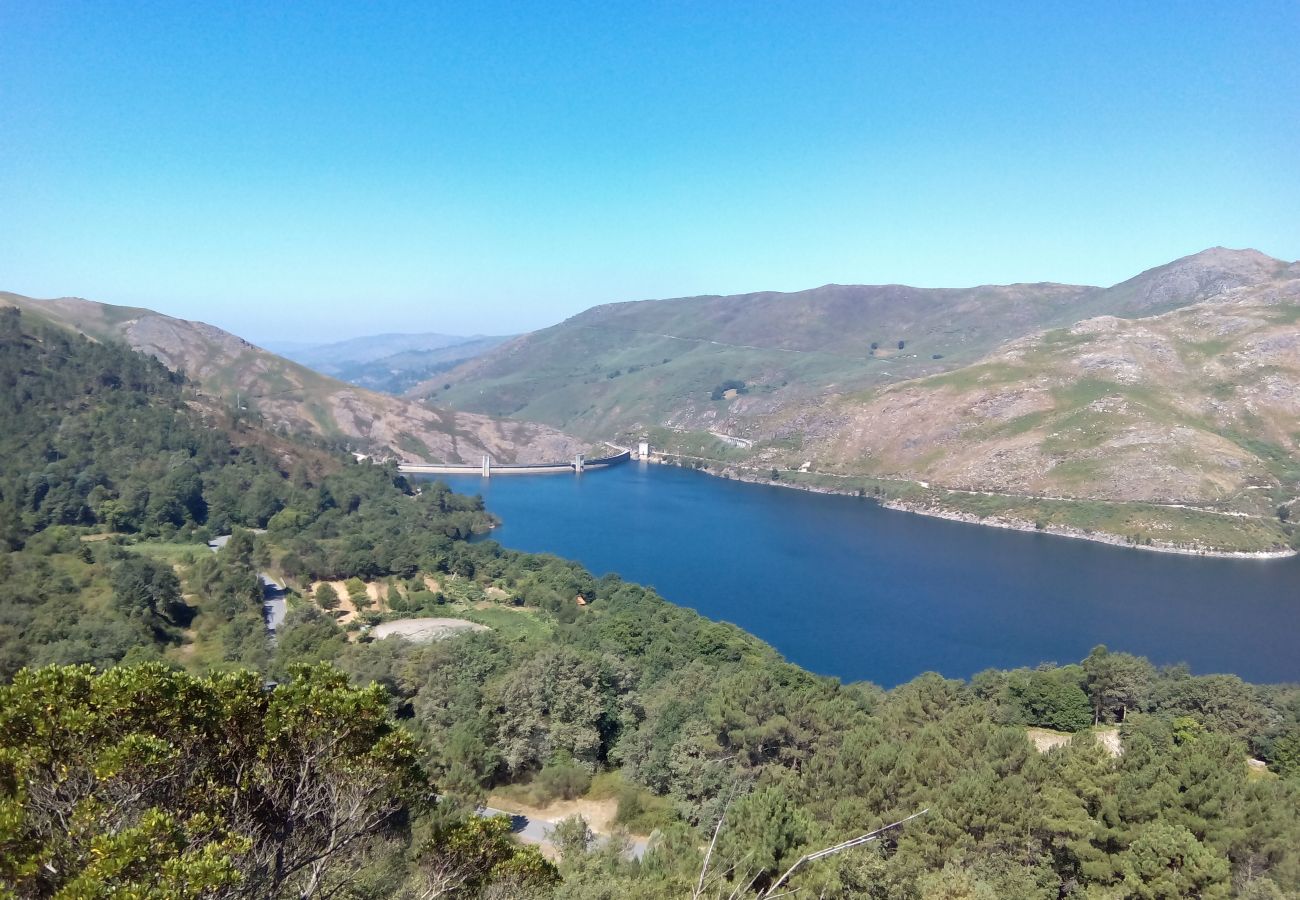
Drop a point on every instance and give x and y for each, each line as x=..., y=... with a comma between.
x=730, y=384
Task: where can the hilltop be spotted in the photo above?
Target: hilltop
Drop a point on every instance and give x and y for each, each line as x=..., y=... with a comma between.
x=293, y=397
x=1174, y=388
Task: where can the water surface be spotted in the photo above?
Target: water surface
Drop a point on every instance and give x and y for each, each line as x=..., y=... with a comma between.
x=846, y=588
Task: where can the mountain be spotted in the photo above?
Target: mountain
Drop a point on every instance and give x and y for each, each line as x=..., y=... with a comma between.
x=370, y=348
x=1178, y=387
x=392, y=363
x=1201, y=402
x=631, y=366
x=292, y=396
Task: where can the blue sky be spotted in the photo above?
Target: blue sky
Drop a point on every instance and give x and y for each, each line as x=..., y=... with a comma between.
x=312, y=171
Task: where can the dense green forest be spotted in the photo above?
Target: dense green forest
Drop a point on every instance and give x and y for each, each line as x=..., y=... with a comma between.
x=154, y=743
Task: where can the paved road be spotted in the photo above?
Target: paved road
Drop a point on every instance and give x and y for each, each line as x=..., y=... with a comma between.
x=274, y=605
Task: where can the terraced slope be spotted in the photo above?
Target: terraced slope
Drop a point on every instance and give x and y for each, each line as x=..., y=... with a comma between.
x=294, y=397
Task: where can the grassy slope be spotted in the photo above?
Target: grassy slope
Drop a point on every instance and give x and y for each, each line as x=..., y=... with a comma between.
x=656, y=362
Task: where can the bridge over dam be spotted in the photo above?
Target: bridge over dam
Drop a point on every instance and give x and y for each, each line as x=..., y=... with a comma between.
x=488, y=468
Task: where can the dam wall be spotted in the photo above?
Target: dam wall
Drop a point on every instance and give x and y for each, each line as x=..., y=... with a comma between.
x=603, y=462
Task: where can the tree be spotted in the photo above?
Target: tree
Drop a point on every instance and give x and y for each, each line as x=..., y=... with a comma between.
x=148, y=782
x=572, y=837
x=762, y=835
x=326, y=596
x=1117, y=682
x=558, y=701
x=150, y=592
x=1050, y=698
x=1167, y=862
x=462, y=858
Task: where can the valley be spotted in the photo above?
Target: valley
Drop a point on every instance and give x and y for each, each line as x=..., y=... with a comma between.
x=1159, y=412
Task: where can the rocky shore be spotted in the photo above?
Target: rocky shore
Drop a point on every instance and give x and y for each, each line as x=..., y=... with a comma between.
x=934, y=510
x=1076, y=533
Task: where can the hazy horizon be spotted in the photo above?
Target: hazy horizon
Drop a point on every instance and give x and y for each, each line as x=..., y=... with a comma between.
x=320, y=173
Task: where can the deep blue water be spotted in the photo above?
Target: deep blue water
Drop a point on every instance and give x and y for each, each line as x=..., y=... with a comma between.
x=846, y=588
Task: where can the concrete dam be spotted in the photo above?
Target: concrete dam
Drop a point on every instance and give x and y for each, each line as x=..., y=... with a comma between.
x=488, y=468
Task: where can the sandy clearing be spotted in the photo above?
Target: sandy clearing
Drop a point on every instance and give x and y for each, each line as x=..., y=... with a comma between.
x=1045, y=739
x=598, y=813
x=425, y=629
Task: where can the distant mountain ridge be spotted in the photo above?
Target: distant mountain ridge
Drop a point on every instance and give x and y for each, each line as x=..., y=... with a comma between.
x=372, y=347
x=294, y=397
x=391, y=363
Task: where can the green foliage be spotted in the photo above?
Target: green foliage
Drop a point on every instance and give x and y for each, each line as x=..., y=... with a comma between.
x=149, y=592
x=463, y=858
x=1051, y=698
x=1286, y=753
x=1117, y=682
x=148, y=782
x=763, y=835
x=94, y=434
x=326, y=597
x=561, y=779
x=1167, y=862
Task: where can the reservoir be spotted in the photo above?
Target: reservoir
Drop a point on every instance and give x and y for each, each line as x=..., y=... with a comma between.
x=843, y=587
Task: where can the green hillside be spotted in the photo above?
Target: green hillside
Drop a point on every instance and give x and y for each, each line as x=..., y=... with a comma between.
x=294, y=398
x=624, y=367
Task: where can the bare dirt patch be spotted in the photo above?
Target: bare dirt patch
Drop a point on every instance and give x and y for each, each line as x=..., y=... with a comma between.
x=1045, y=739
x=425, y=629
x=598, y=813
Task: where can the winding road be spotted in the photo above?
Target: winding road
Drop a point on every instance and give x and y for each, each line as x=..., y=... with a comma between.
x=274, y=604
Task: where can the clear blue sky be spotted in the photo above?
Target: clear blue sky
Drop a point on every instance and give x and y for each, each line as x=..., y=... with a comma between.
x=313, y=170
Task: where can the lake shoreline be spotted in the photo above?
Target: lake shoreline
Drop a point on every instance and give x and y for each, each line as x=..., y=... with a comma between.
x=880, y=596
x=1009, y=524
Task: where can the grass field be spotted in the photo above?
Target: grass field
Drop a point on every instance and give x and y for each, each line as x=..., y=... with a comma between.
x=171, y=552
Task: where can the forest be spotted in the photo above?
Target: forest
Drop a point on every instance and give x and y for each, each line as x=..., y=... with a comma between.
x=155, y=743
